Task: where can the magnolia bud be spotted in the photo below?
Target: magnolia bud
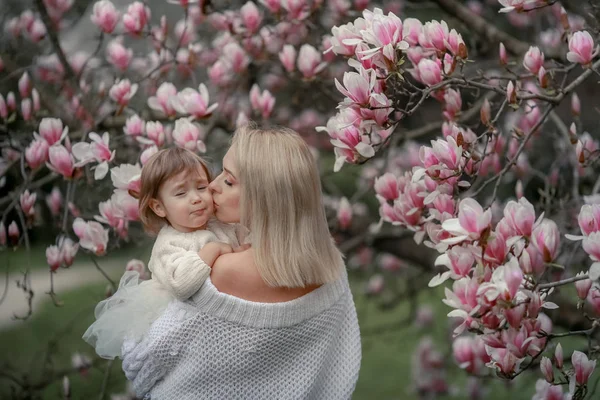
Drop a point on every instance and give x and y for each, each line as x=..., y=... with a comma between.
x=575, y=105
x=485, y=112
x=503, y=58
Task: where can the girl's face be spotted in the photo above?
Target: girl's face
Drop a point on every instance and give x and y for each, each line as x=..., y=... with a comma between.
x=185, y=201
x=226, y=191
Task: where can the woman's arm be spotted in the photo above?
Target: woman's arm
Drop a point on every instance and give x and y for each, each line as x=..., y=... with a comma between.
x=236, y=274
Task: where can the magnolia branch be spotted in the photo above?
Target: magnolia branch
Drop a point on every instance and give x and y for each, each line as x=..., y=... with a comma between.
x=54, y=38
x=562, y=282
x=482, y=26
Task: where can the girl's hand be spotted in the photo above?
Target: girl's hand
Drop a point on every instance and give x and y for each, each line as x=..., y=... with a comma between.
x=241, y=248
x=212, y=250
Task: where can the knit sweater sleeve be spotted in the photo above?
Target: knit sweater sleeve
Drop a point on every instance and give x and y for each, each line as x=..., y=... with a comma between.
x=175, y=262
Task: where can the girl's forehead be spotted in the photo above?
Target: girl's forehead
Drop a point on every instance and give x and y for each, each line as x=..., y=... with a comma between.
x=191, y=173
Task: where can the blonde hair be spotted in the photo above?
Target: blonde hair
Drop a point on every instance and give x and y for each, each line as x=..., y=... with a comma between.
x=159, y=168
x=281, y=204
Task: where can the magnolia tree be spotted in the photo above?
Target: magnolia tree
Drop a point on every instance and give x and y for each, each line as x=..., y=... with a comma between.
x=505, y=197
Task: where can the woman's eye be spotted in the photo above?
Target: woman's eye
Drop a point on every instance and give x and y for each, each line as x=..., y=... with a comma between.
x=227, y=182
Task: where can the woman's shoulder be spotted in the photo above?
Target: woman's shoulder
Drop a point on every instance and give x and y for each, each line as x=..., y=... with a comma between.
x=237, y=274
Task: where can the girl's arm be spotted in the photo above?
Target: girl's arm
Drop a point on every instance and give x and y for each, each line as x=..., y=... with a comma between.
x=175, y=263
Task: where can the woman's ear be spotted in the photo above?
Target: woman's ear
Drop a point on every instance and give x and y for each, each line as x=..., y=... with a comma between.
x=157, y=207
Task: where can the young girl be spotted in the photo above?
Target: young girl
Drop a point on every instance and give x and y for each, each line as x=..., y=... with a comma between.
x=175, y=202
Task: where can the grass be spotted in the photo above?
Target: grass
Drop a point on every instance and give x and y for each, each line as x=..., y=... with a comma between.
x=54, y=334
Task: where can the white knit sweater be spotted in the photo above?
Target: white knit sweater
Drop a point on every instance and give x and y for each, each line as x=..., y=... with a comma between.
x=216, y=346
x=175, y=262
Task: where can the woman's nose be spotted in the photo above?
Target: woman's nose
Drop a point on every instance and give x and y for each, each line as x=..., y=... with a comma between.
x=213, y=186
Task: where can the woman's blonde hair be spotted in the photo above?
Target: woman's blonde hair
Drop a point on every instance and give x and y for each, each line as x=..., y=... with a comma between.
x=281, y=204
x=160, y=167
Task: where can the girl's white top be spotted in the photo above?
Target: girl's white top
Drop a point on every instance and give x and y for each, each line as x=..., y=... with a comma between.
x=177, y=273
x=217, y=346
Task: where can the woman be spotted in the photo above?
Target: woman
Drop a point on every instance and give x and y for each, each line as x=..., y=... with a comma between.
x=276, y=321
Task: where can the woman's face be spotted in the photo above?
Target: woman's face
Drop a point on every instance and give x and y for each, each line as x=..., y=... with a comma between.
x=226, y=191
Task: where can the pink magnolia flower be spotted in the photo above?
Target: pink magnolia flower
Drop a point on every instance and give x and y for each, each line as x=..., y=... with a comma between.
x=429, y=72
x=36, y=153
x=11, y=101
x=546, y=238
x=583, y=287
x=136, y=18
x=251, y=17
x=92, y=236
x=61, y=161
x=386, y=187
x=296, y=9
x=502, y=54
x=411, y=30
x=3, y=108
x=26, y=109
x=37, y=31
x=123, y=91
x=520, y=216
x=262, y=103
x=13, y=233
x=589, y=218
x=345, y=39
x=236, y=57
x=272, y=5
x=309, y=61
x=147, y=153
x=511, y=93
x=134, y=126
x=543, y=77
x=547, y=370
x=358, y=87
x=155, y=132
x=591, y=245
x=434, y=35
x=54, y=201
x=25, y=85
x=67, y=251
x=194, y=103
x=105, y=16
x=558, y=356
x=581, y=48
x=344, y=213
x=510, y=5
x=187, y=135
x=471, y=222
x=126, y=177
x=504, y=361
x=126, y=206
x=137, y=266
x=287, y=56
x=452, y=103
x=53, y=257
x=575, y=104
x=27, y=201
x=118, y=55
x=583, y=367
x=163, y=101
x=35, y=99
x=456, y=45
x=459, y=262
x=533, y=60
x=447, y=152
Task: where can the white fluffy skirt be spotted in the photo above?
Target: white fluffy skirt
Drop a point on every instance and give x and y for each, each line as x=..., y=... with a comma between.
x=128, y=313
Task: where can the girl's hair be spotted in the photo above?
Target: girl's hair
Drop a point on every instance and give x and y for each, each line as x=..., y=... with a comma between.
x=159, y=168
x=281, y=204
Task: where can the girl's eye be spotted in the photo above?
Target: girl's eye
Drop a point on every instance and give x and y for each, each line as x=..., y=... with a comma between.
x=201, y=187
x=180, y=194
x=227, y=182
